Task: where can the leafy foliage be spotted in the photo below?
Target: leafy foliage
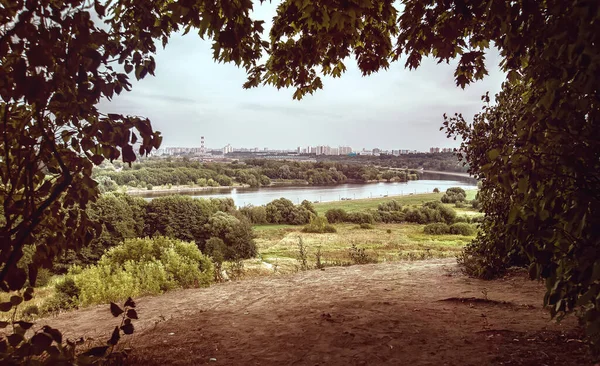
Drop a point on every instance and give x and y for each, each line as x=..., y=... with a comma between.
x=47, y=347
x=537, y=149
x=283, y=211
x=139, y=267
x=319, y=224
x=454, y=195
x=236, y=234
x=437, y=228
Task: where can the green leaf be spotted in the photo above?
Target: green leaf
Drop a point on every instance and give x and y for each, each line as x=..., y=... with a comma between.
x=127, y=328
x=16, y=300
x=28, y=295
x=41, y=342
x=493, y=154
x=132, y=314
x=115, y=310
x=5, y=306
x=513, y=214
x=23, y=324
x=96, y=351
x=54, y=333
x=130, y=303
x=14, y=339
x=114, y=338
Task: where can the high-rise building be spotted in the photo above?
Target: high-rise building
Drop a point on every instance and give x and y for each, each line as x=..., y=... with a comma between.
x=227, y=149
x=345, y=150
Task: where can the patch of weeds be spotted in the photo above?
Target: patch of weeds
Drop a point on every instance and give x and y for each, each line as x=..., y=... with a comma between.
x=360, y=256
x=318, y=259
x=302, y=255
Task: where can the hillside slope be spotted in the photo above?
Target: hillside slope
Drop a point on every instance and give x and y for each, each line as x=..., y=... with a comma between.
x=417, y=313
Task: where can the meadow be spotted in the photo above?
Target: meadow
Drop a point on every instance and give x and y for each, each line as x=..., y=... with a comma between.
x=279, y=250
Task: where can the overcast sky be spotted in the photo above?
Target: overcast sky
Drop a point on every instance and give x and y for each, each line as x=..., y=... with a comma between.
x=192, y=96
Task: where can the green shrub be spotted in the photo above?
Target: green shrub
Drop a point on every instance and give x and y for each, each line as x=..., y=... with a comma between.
x=66, y=296
x=140, y=267
x=320, y=225
x=460, y=204
x=43, y=277
x=436, y=190
x=149, y=186
x=389, y=231
x=216, y=249
x=453, y=195
x=437, y=228
x=236, y=233
x=256, y=214
x=336, y=215
x=360, y=218
x=30, y=311
x=392, y=205
x=360, y=256
x=461, y=228
x=475, y=204
x=283, y=211
x=366, y=226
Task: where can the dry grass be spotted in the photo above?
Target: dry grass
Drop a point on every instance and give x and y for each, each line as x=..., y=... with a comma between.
x=278, y=244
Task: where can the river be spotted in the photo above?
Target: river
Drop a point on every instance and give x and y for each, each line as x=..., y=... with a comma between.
x=264, y=195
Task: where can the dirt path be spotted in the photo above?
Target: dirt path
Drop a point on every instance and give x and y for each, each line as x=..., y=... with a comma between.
x=385, y=314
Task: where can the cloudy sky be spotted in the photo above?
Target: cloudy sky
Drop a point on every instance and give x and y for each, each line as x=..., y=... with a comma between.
x=192, y=96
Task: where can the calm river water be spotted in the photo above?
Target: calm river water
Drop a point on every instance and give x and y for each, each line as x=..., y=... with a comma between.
x=261, y=196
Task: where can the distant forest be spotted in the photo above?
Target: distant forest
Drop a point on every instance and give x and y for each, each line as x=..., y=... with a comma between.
x=443, y=162
x=254, y=172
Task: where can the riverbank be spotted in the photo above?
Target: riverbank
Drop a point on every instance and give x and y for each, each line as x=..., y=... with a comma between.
x=179, y=190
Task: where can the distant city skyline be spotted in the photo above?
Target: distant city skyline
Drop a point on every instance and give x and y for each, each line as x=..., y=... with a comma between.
x=231, y=147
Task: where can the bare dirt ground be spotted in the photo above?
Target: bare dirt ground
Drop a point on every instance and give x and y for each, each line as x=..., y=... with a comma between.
x=414, y=313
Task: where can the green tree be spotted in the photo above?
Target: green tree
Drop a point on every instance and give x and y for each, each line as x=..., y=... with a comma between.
x=237, y=235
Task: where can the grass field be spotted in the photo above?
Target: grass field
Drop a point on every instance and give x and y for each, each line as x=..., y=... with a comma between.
x=278, y=244
x=372, y=203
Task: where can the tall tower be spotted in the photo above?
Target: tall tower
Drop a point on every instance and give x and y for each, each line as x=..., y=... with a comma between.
x=202, y=150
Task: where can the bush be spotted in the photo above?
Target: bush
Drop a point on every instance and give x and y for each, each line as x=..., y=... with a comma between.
x=149, y=187
x=389, y=231
x=283, y=211
x=366, y=226
x=360, y=218
x=456, y=190
x=139, y=267
x=215, y=248
x=461, y=228
x=460, y=204
x=256, y=214
x=236, y=233
x=336, y=215
x=475, y=204
x=360, y=256
x=30, y=311
x=437, y=228
x=66, y=296
x=453, y=195
x=319, y=225
x=392, y=205
x=436, y=190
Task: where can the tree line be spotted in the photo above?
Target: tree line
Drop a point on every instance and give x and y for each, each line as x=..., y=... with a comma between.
x=254, y=172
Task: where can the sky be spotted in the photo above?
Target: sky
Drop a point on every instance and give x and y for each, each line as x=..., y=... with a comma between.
x=192, y=96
